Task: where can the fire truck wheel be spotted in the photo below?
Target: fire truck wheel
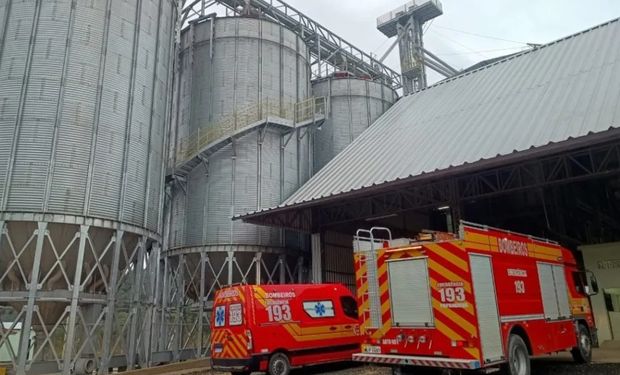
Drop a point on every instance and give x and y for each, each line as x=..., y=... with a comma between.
x=518, y=357
x=279, y=364
x=582, y=353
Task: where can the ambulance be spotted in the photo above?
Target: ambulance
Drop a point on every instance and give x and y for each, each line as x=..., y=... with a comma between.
x=484, y=299
x=274, y=328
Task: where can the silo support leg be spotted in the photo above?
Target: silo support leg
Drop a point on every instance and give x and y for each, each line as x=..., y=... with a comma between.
x=163, y=320
x=153, y=266
x=180, y=307
x=202, y=300
x=32, y=291
x=109, y=318
x=77, y=281
x=135, y=306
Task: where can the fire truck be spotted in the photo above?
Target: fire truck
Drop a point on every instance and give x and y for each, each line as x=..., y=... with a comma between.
x=276, y=327
x=481, y=300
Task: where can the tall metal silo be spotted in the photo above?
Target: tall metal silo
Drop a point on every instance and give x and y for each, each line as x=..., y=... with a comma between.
x=241, y=146
x=354, y=104
x=83, y=109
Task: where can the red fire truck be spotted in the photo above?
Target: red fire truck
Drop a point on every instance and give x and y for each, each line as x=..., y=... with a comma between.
x=275, y=327
x=484, y=299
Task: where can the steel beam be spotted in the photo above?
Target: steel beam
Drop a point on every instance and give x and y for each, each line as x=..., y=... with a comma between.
x=68, y=360
x=562, y=168
x=136, y=319
x=110, y=308
x=24, y=341
x=317, y=260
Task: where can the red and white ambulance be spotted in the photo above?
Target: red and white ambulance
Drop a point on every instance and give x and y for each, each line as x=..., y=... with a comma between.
x=484, y=299
x=276, y=327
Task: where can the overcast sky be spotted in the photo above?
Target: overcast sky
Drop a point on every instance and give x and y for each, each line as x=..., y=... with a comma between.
x=512, y=23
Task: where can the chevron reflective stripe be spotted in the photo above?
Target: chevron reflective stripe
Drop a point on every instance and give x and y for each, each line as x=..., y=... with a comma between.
x=463, y=364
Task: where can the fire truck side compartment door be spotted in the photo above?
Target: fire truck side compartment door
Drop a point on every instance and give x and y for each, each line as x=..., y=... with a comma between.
x=410, y=292
x=486, y=307
x=562, y=291
x=547, y=290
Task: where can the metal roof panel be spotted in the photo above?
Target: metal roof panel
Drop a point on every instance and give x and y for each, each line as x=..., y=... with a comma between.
x=560, y=91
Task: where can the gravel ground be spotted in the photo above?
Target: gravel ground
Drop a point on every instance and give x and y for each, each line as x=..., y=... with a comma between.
x=539, y=367
x=606, y=362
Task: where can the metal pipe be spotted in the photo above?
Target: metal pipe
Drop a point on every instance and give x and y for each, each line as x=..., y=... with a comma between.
x=389, y=50
x=440, y=61
x=436, y=67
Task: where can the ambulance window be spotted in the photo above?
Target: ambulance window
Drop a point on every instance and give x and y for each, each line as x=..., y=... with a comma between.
x=349, y=306
x=319, y=309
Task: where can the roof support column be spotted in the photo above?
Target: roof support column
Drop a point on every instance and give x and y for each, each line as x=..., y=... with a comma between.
x=455, y=212
x=317, y=262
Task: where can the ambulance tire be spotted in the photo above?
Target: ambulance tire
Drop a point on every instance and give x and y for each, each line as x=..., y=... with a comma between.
x=279, y=364
x=518, y=357
x=582, y=353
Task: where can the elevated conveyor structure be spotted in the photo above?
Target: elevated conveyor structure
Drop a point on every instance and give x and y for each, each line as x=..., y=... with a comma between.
x=329, y=52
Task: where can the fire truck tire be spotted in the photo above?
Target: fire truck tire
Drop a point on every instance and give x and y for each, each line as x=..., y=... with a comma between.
x=279, y=364
x=582, y=353
x=518, y=356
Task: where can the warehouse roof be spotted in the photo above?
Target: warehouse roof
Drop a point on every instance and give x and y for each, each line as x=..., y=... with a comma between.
x=546, y=96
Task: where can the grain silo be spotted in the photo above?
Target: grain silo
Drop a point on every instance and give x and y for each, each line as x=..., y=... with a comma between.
x=239, y=148
x=83, y=109
x=355, y=104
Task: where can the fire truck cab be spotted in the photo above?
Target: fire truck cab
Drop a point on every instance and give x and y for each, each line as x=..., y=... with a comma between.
x=276, y=327
x=483, y=299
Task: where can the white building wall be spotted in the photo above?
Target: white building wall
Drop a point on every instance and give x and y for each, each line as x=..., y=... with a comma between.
x=604, y=261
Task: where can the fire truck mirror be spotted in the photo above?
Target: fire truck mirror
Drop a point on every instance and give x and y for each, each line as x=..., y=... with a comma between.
x=592, y=289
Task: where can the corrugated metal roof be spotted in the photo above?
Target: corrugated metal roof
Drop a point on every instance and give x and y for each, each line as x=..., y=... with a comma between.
x=560, y=91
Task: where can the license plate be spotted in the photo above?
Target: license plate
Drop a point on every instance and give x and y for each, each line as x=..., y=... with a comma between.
x=218, y=348
x=371, y=349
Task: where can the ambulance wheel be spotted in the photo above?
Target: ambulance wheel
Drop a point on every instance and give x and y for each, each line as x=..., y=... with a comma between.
x=279, y=364
x=518, y=357
x=582, y=353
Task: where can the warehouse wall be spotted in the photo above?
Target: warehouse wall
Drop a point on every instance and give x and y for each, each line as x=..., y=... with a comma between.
x=604, y=261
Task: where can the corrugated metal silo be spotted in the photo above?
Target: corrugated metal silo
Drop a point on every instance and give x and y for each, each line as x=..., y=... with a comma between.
x=83, y=109
x=235, y=71
x=239, y=82
x=354, y=105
